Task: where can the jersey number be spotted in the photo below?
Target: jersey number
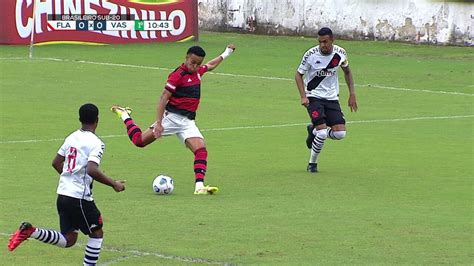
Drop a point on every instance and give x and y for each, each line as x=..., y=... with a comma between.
x=71, y=159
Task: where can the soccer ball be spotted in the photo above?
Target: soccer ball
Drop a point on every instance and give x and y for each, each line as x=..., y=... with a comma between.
x=163, y=185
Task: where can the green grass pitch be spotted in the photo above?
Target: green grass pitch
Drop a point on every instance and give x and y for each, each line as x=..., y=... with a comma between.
x=397, y=190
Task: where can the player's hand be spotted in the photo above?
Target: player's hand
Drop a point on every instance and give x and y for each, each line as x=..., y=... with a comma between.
x=352, y=103
x=304, y=101
x=227, y=52
x=158, y=130
x=119, y=185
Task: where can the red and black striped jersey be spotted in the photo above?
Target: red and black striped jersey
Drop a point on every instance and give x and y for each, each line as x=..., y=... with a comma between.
x=185, y=91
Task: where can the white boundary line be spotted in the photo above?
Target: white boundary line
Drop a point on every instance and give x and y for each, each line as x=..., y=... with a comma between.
x=231, y=75
x=414, y=90
x=117, y=260
x=128, y=254
x=266, y=126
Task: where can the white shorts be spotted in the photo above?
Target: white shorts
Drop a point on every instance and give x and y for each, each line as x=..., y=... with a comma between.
x=179, y=125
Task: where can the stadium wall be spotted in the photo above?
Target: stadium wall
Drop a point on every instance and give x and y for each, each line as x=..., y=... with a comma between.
x=416, y=21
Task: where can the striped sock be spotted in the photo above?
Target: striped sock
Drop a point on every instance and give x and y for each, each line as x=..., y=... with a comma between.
x=331, y=133
x=49, y=237
x=317, y=146
x=134, y=132
x=200, y=164
x=92, y=252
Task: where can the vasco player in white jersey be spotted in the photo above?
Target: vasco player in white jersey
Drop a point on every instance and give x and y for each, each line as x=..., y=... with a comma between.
x=176, y=112
x=319, y=92
x=77, y=162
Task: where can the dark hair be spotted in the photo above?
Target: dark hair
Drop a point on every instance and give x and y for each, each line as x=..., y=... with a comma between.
x=197, y=50
x=325, y=31
x=88, y=114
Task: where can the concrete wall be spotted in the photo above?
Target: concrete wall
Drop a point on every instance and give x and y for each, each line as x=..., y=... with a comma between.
x=425, y=21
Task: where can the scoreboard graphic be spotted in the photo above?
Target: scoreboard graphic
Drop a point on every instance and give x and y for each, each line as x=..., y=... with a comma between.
x=97, y=21
x=106, y=23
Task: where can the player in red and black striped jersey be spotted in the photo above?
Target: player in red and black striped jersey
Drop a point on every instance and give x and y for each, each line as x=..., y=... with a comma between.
x=176, y=111
x=185, y=89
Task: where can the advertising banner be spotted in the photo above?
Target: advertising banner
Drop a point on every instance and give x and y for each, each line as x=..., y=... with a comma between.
x=97, y=21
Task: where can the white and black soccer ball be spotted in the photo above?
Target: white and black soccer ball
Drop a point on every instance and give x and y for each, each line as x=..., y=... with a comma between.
x=163, y=185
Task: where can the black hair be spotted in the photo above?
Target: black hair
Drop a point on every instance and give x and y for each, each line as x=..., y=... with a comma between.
x=325, y=31
x=88, y=114
x=197, y=50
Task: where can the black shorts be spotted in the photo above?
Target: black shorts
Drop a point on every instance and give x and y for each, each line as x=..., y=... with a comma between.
x=325, y=112
x=78, y=214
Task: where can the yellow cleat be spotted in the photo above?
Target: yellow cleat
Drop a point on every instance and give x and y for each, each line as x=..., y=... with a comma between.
x=119, y=110
x=207, y=190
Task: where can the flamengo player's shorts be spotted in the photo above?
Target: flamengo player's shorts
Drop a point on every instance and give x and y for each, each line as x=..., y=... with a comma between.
x=179, y=125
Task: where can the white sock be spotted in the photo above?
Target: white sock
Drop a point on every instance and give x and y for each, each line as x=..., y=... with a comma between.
x=125, y=116
x=199, y=185
x=92, y=252
x=317, y=145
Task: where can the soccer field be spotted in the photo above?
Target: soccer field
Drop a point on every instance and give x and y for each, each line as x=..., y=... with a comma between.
x=397, y=190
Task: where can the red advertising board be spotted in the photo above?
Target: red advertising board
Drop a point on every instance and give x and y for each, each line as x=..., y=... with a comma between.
x=17, y=21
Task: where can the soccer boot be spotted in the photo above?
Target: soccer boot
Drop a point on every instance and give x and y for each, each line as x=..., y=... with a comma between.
x=312, y=167
x=22, y=234
x=119, y=110
x=311, y=136
x=207, y=190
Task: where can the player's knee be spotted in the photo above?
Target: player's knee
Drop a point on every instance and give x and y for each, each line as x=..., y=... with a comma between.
x=339, y=134
x=322, y=133
x=140, y=145
x=99, y=233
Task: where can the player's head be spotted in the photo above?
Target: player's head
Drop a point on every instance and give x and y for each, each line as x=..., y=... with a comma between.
x=194, y=58
x=325, y=39
x=88, y=114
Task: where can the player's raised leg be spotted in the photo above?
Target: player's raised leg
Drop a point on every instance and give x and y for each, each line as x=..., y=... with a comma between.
x=335, y=121
x=198, y=147
x=47, y=236
x=337, y=132
x=139, y=138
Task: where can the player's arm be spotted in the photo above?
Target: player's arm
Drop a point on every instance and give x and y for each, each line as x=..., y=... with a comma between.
x=216, y=61
x=94, y=171
x=300, y=85
x=352, y=102
x=58, y=163
x=160, y=110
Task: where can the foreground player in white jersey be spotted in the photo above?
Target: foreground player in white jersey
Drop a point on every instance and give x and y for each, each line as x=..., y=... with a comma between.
x=320, y=93
x=77, y=162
